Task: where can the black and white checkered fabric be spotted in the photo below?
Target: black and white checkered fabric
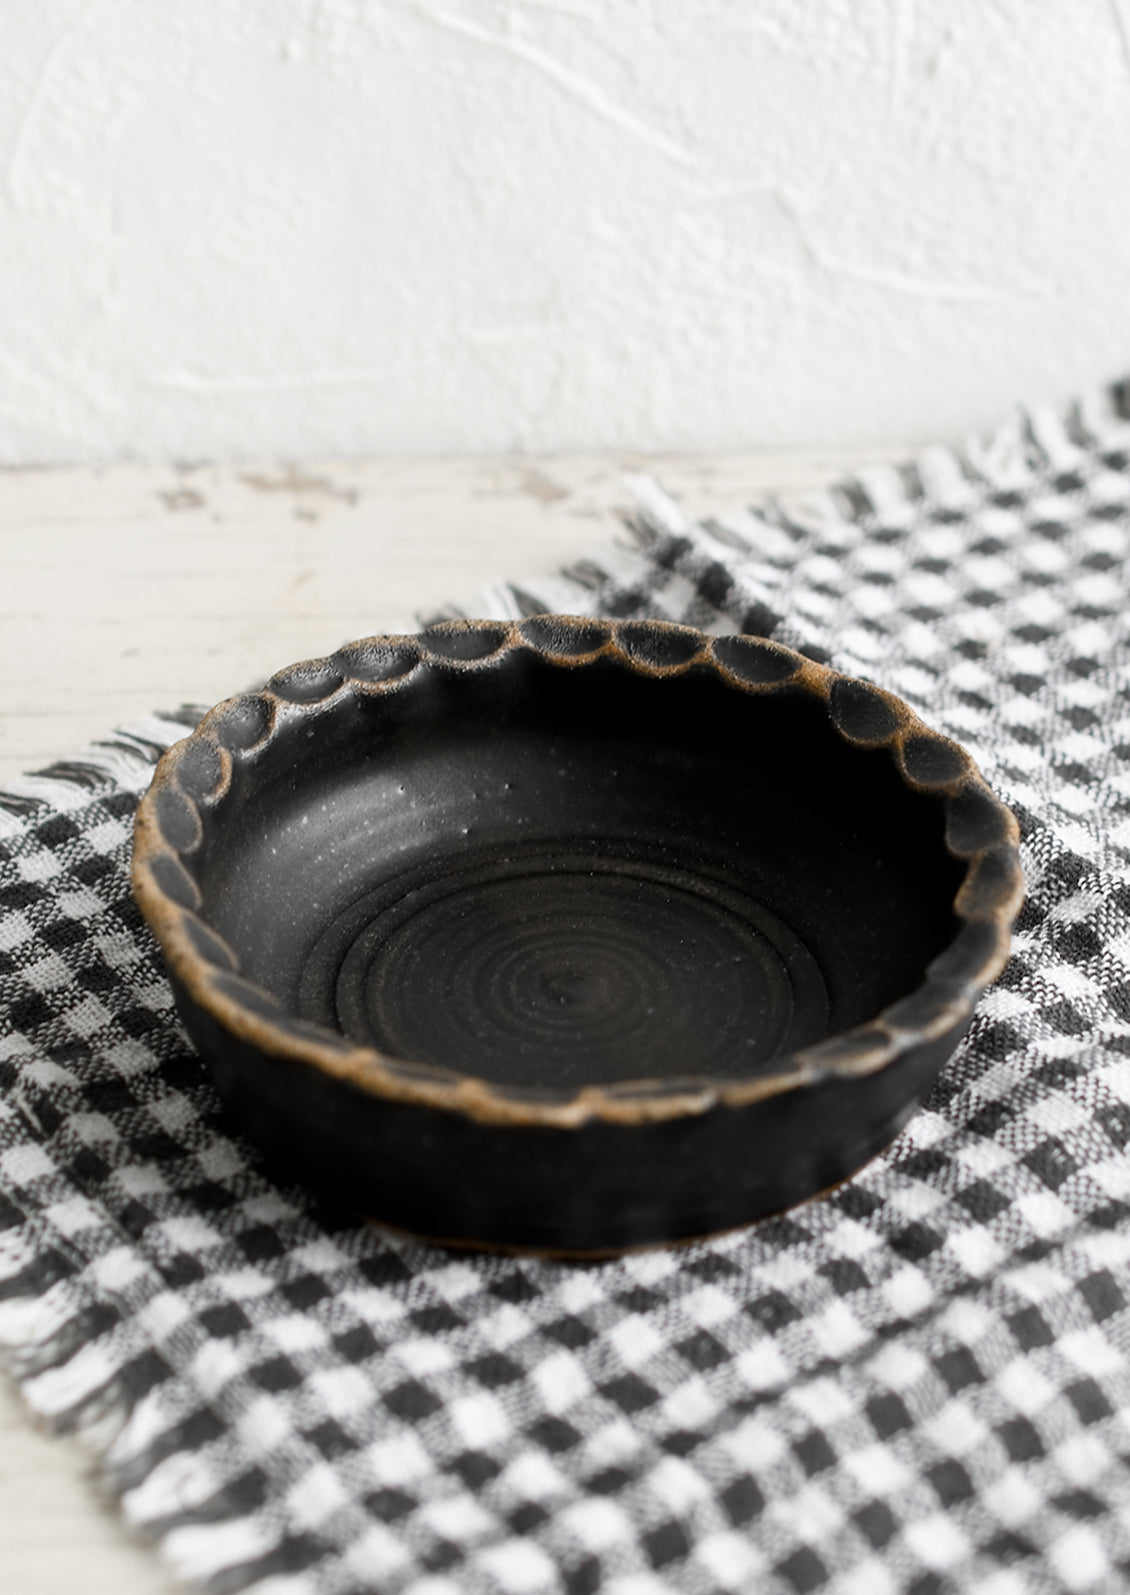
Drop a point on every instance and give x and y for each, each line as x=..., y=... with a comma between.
x=916, y=1385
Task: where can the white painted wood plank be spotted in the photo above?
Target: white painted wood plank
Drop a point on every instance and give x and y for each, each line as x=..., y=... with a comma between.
x=131, y=588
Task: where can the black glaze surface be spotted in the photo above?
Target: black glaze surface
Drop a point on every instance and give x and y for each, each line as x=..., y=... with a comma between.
x=599, y=1187
x=546, y=877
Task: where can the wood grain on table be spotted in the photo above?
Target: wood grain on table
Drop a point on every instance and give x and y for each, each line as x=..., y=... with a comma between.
x=140, y=588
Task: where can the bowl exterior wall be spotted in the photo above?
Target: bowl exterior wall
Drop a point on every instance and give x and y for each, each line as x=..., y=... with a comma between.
x=596, y=1188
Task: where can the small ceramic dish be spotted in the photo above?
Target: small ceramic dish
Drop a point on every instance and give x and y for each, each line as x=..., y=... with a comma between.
x=573, y=935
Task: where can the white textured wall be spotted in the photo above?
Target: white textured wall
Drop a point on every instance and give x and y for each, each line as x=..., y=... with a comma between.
x=237, y=227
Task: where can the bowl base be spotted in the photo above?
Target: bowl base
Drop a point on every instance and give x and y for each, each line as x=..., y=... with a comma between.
x=555, y=969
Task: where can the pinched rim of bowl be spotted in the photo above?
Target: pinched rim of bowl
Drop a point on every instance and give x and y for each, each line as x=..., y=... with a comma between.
x=195, y=775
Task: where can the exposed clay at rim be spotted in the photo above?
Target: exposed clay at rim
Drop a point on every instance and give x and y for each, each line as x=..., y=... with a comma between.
x=862, y=715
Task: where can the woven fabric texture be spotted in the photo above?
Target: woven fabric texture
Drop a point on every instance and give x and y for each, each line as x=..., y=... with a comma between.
x=918, y=1384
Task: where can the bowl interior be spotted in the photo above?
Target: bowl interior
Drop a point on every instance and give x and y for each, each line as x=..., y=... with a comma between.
x=551, y=876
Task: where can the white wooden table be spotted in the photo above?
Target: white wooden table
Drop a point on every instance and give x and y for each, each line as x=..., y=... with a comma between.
x=138, y=588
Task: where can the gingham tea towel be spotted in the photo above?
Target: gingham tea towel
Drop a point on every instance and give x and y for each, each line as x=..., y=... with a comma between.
x=918, y=1384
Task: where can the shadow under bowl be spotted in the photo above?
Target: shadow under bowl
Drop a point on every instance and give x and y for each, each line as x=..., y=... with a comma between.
x=573, y=935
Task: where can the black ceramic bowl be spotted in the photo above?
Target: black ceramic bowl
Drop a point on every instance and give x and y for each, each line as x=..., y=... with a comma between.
x=573, y=935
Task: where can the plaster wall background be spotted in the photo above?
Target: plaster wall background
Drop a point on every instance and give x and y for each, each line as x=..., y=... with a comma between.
x=355, y=227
